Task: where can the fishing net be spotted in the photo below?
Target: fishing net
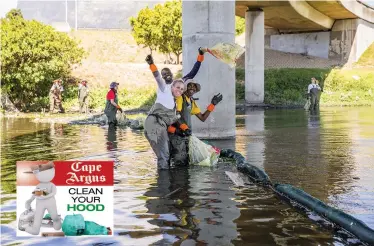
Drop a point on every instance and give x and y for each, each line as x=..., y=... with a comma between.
x=227, y=53
x=201, y=153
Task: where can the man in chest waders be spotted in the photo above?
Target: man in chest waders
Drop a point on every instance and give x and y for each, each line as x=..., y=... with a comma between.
x=112, y=106
x=313, y=92
x=186, y=106
x=162, y=115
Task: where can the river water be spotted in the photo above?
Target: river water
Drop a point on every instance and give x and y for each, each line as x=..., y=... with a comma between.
x=328, y=154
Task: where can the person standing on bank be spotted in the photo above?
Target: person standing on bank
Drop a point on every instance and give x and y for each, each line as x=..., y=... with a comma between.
x=112, y=106
x=55, y=97
x=186, y=106
x=83, y=97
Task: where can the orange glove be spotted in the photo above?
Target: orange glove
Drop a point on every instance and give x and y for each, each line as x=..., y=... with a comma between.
x=210, y=107
x=183, y=127
x=119, y=108
x=171, y=129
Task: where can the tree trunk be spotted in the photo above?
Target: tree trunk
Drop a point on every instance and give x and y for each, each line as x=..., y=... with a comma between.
x=178, y=57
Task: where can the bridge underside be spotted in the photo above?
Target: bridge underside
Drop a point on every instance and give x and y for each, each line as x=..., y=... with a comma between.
x=297, y=16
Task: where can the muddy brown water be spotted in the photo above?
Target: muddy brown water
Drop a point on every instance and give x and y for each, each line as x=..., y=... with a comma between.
x=329, y=154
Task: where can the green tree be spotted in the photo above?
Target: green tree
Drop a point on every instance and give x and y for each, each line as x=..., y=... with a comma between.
x=144, y=28
x=160, y=28
x=169, y=34
x=33, y=54
x=239, y=25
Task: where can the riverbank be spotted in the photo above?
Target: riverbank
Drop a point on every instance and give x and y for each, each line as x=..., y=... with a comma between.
x=284, y=88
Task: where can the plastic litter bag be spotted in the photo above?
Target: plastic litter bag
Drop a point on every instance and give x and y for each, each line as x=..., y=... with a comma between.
x=47, y=220
x=307, y=104
x=73, y=225
x=201, y=153
x=26, y=219
x=227, y=53
x=91, y=228
x=121, y=119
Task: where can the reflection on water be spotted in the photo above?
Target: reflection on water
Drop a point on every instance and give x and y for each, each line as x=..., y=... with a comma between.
x=328, y=154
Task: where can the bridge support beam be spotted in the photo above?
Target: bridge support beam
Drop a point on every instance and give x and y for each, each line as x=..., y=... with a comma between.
x=206, y=23
x=254, y=56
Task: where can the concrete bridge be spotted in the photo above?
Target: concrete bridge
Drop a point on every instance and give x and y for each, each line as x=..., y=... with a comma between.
x=339, y=30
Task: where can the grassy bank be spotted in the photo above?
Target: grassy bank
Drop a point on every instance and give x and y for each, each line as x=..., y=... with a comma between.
x=367, y=58
x=283, y=87
x=288, y=87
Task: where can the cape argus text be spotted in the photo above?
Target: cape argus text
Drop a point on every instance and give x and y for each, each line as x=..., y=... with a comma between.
x=87, y=179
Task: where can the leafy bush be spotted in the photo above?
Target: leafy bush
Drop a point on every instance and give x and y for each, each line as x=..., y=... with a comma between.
x=239, y=25
x=33, y=55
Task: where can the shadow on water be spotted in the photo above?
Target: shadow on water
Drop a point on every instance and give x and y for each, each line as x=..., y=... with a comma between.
x=328, y=154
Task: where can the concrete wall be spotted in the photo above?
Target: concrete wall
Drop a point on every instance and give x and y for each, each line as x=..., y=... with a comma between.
x=365, y=37
x=312, y=44
x=349, y=39
x=206, y=23
x=97, y=14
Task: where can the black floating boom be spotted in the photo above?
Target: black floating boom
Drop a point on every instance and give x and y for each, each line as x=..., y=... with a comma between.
x=347, y=222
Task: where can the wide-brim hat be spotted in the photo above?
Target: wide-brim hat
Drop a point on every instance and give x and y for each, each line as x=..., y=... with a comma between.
x=191, y=81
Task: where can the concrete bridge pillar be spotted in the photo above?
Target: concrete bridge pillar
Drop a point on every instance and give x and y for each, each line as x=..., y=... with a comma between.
x=206, y=23
x=254, y=56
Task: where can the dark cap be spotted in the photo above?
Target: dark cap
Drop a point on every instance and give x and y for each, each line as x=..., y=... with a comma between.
x=113, y=84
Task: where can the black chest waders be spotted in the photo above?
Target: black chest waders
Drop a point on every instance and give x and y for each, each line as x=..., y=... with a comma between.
x=111, y=111
x=179, y=144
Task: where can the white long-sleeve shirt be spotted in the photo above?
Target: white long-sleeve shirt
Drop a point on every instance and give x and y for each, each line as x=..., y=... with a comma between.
x=311, y=86
x=164, y=95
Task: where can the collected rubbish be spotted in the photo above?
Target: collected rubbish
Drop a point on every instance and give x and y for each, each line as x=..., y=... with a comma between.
x=75, y=225
x=307, y=104
x=227, y=53
x=47, y=221
x=201, y=153
x=122, y=120
x=26, y=219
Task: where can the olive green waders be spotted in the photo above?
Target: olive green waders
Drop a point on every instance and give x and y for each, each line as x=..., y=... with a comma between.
x=155, y=129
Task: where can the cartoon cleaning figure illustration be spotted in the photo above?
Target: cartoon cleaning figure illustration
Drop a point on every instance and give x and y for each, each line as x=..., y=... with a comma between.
x=45, y=199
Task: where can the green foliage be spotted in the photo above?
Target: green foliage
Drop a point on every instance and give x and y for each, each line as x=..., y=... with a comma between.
x=128, y=98
x=143, y=28
x=169, y=36
x=239, y=25
x=349, y=87
x=33, y=54
x=160, y=28
x=288, y=86
x=367, y=58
